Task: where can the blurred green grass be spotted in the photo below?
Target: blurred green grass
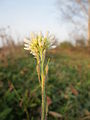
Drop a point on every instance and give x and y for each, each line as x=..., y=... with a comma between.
x=68, y=86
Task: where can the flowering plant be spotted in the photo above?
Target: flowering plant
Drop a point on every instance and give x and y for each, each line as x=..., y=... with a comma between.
x=37, y=45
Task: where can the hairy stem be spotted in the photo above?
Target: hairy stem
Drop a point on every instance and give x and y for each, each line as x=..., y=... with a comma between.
x=43, y=89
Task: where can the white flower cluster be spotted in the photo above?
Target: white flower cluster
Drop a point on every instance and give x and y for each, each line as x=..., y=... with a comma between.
x=39, y=43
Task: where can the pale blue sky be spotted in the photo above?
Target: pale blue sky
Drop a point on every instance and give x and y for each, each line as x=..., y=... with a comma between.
x=24, y=16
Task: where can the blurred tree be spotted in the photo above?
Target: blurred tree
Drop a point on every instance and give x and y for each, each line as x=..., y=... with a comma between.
x=66, y=44
x=7, y=41
x=80, y=43
x=77, y=12
x=6, y=37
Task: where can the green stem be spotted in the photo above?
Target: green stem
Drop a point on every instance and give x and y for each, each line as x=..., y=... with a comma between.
x=43, y=89
x=18, y=96
x=27, y=114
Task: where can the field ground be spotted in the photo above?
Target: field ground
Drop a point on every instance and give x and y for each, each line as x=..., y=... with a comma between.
x=68, y=85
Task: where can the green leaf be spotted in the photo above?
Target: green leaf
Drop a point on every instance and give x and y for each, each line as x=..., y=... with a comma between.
x=5, y=113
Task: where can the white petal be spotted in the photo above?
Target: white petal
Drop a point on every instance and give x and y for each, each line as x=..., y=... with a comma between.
x=52, y=41
x=26, y=40
x=54, y=46
x=30, y=52
x=26, y=48
x=26, y=45
x=51, y=37
x=34, y=54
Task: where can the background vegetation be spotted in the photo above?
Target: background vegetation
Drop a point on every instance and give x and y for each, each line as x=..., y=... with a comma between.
x=68, y=87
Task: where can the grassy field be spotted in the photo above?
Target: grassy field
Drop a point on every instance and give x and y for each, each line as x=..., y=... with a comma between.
x=68, y=86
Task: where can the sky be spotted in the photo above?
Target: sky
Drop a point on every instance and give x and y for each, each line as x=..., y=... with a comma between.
x=25, y=16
